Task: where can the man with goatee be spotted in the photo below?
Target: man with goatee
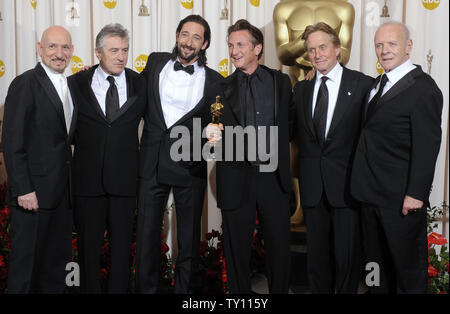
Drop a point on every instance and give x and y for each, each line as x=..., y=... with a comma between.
x=176, y=83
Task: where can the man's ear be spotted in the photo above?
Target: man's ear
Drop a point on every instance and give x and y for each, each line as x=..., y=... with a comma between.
x=258, y=49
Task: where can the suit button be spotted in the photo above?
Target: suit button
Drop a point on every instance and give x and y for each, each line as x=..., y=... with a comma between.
x=67, y=162
x=109, y=125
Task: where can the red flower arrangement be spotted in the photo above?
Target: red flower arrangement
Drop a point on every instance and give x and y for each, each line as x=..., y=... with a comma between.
x=438, y=276
x=5, y=241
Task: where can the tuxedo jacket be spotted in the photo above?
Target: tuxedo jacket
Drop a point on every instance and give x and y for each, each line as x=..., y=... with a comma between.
x=399, y=143
x=106, y=153
x=155, y=156
x=232, y=177
x=36, y=144
x=327, y=168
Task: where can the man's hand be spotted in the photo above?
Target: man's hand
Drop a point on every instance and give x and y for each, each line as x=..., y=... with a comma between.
x=28, y=201
x=86, y=67
x=310, y=75
x=214, y=132
x=411, y=204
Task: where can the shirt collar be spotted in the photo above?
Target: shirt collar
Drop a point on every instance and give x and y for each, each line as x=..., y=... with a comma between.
x=195, y=64
x=51, y=73
x=333, y=75
x=396, y=74
x=259, y=73
x=119, y=79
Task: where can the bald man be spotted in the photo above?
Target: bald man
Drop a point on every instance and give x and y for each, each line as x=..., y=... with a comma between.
x=37, y=129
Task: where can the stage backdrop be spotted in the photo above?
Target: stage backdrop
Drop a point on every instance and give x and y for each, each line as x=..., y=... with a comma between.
x=152, y=25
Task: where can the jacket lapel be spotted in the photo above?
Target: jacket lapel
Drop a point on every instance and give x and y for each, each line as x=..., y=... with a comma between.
x=132, y=95
x=308, y=99
x=86, y=91
x=157, y=97
x=404, y=83
x=51, y=92
x=346, y=89
x=231, y=94
x=366, y=102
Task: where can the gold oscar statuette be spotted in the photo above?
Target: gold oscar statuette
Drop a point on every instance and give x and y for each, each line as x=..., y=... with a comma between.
x=74, y=12
x=216, y=112
x=143, y=10
x=429, y=61
x=224, y=12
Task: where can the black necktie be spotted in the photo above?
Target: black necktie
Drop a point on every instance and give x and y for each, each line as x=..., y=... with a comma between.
x=112, y=98
x=320, y=111
x=373, y=103
x=188, y=69
x=249, y=103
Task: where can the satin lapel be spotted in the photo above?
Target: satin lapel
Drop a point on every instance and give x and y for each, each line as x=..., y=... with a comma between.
x=366, y=102
x=132, y=95
x=346, y=90
x=85, y=82
x=157, y=97
x=307, y=105
x=231, y=94
x=51, y=92
x=399, y=87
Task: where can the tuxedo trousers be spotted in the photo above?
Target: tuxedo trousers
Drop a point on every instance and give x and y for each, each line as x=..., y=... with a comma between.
x=333, y=248
x=153, y=198
x=398, y=244
x=94, y=215
x=41, y=247
x=265, y=198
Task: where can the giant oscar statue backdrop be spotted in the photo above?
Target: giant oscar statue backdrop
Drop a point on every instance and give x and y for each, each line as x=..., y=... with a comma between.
x=290, y=18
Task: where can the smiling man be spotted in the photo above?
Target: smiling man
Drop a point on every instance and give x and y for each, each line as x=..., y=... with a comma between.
x=36, y=146
x=176, y=84
x=328, y=117
x=111, y=101
x=394, y=163
x=254, y=97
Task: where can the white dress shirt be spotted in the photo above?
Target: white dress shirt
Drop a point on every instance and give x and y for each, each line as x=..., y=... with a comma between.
x=55, y=78
x=180, y=92
x=394, y=76
x=333, y=83
x=100, y=86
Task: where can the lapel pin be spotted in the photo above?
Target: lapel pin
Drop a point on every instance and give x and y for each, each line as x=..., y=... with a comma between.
x=349, y=93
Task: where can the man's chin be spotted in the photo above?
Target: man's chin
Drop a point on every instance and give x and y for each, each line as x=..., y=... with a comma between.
x=188, y=58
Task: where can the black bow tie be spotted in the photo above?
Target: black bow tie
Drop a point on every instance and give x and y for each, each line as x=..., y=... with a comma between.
x=178, y=66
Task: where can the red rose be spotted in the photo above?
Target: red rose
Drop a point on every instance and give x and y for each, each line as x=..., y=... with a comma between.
x=164, y=248
x=436, y=238
x=103, y=273
x=432, y=272
x=2, y=262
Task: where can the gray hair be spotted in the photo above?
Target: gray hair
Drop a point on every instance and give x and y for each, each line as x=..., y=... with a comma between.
x=404, y=28
x=112, y=30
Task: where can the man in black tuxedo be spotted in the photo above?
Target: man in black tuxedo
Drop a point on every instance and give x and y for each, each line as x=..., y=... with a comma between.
x=38, y=125
x=176, y=84
x=111, y=101
x=328, y=120
x=258, y=99
x=394, y=163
